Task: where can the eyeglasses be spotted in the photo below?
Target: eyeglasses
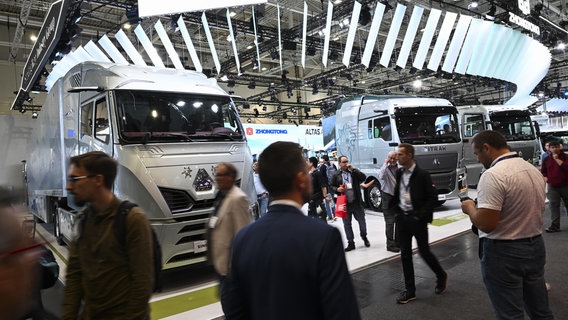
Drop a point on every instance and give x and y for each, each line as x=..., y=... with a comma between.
x=73, y=179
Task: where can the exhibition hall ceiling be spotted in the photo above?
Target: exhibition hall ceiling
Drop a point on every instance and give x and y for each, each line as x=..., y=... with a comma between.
x=289, y=82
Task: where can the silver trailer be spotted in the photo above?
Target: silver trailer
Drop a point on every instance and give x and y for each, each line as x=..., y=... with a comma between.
x=368, y=127
x=513, y=122
x=168, y=129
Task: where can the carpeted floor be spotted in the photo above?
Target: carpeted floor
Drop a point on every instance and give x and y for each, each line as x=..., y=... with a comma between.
x=466, y=297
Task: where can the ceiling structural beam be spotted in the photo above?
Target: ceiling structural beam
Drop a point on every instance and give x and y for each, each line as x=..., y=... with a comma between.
x=20, y=29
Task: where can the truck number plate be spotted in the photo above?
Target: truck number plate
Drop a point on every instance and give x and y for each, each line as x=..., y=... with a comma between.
x=200, y=246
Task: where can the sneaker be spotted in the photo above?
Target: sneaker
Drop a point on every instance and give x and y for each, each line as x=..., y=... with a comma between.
x=366, y=242
x=552, y=229
x=441, y=284
x=405, y=297
x=350, y=247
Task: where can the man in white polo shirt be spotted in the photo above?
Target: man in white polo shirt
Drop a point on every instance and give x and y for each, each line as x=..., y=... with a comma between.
x=509, y=216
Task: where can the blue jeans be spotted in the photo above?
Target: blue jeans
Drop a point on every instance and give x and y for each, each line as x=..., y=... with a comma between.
x=357, y=211
x=329, y=209
x=513, y=272
x=262, y=205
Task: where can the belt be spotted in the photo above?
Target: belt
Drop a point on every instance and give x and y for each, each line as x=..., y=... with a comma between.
x=408, y=213
x=261, y=194
x=530, y=239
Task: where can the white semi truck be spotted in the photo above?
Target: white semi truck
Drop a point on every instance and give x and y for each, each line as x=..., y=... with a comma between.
x=168, y=129
x=513, y=122
x=368, y=127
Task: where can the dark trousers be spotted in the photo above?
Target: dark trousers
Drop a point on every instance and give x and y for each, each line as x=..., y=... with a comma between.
x=354, y=210
x=313, y=209
x=389, y=212
x=408, y=227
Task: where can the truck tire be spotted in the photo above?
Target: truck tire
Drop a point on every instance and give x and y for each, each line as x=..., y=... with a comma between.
x=373, y=197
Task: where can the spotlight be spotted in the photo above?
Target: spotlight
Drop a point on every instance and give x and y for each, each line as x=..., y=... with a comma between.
x=252, y=85
x=264, y=108
x=34, y=115
x=311, y=51
x=22, y=110
x=315, y=89
x=249, y=120
x=231, y=83
x=473, y=5
x=256, y=113
x=284, y=115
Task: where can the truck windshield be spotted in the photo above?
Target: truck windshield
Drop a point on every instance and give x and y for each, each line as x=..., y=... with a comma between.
x=427, y=125
x=514, y=125
x=150, y=116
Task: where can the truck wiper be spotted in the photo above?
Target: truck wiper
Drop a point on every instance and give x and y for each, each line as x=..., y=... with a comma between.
x=223, y=135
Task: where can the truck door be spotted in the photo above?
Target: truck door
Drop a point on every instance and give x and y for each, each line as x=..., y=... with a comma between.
x=95, y=126
x=381, y=135
x=472, y=123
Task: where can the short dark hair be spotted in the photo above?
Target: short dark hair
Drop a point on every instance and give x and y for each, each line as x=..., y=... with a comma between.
x=493, y=138
x=325, y=157
x=339, y=158
x=408, y=148
x=95, y=163
x=554, y=143
x=313, y=161
x=232, y=170
x=278, y=165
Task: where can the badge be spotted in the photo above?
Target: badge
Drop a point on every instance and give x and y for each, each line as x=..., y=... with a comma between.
x=348, y=185
x=212, y=222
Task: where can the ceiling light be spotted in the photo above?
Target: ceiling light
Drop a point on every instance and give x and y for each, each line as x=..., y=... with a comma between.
x=33, y=38
x=417, y=84
x=473, y=5
x=34, y=115
x=232, y=14
x=127, y=26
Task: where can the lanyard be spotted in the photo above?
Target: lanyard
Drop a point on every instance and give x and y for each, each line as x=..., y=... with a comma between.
x=516, y=155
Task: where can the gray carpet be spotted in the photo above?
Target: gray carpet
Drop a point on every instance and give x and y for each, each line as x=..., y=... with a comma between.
x=465, y=298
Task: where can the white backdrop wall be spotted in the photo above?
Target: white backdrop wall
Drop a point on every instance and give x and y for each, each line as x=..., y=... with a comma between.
x=15, y=132
x=260, y=136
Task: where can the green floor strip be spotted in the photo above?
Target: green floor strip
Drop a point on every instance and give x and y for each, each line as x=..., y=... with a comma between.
x=182, y=303
x=449, y=219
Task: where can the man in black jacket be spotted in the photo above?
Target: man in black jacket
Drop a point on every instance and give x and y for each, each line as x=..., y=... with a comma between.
x=348, y=180
x=416, y=198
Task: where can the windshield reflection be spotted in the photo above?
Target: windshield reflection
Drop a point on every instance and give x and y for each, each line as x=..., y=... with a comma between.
x=147, y=116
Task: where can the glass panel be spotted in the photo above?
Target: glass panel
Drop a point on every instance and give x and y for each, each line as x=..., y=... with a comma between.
x=102, y=128
x=472, y=123
x=383, y=128
x=147, y=116
x=87, y=119
x=427, y=125
x=513, y=125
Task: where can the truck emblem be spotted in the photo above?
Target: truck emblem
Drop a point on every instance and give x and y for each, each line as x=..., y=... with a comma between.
x=186, y=172
x=203, y=181
x=437, y=162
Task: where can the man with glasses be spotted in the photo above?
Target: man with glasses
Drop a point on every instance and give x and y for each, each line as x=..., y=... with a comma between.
x=387, y=176
x=106, y=279
x=230, y=215
x=348, y=181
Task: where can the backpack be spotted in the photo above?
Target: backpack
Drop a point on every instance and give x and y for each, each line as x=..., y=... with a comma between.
x=331, y=169
x=119, y=228
x=49, y=268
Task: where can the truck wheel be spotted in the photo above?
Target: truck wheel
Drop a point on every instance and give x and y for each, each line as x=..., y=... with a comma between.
x=373, y=197
x=58, y=235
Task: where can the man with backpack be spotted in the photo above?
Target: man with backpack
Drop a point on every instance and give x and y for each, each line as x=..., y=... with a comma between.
x=110, y=273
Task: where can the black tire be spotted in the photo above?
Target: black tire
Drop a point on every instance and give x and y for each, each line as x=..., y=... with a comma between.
x=373, y=197
x=440, y=202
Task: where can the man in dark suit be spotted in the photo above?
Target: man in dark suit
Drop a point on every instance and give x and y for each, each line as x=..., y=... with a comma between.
x=348, y=181
x=416, y=198
x=286, y=265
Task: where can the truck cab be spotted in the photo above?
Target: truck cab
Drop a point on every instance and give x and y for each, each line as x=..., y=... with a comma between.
x=513, y=122
x=368, y=127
